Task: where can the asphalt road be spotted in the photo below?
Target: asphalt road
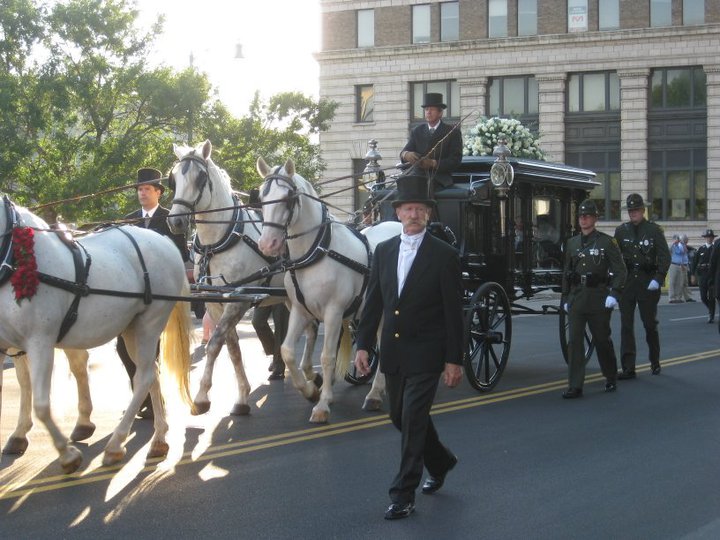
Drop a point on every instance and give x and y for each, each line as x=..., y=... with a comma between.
x=640, y=463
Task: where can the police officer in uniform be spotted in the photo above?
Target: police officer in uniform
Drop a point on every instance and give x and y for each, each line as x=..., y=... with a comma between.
x=593, y=278
x=647, y=258
x=700, y=267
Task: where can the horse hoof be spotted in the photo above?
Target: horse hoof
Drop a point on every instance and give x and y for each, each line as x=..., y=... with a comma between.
x=158, y=449
x=371, y=405
x=318, y=380
x=201, y=407
x=72, y=466
x=314, y=396
x=240, y=409
x=319, y=417
x=80, y=433
x=15, y=446
x=111, y=458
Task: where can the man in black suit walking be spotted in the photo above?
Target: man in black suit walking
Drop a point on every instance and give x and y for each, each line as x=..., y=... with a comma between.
x=154, y=217
x=415, y=288
x=425, y=151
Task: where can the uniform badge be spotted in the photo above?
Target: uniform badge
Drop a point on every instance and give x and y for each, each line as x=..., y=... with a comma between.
x=645, y=242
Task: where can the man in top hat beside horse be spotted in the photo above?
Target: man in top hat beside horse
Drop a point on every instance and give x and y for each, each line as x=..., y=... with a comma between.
x=151, y=216
x=434, y=148
x=415, y=288
x=647, y=258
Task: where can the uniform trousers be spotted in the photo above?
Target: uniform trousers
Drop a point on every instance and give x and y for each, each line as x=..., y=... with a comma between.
x=706, y=294
x=597, y=320
x=636, y=294
x=411, y=397
x=272, y=342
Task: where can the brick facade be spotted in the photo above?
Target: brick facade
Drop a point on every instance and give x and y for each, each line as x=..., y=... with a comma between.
x=394, y=63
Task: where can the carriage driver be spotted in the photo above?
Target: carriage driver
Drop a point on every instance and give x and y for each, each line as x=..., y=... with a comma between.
x=424, y=149
x=416, y=289
x=154, y=217
x=593, y=278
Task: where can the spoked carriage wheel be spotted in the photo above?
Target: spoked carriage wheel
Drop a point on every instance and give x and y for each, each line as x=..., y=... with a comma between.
x=565, y=336
x=488, y=331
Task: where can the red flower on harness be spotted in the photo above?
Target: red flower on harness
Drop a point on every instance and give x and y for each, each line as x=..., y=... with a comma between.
x=25, y=276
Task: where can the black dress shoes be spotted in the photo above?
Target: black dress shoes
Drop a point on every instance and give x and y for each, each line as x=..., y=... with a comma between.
x=277, y=375
x=610, y=386
x=656, y=370
x=625, y=375
x=572, y=393
x=711, y=319
x=399, y=511
x=433, y=483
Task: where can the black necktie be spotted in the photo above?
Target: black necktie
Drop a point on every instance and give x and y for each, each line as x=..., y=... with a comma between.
x=147, y=220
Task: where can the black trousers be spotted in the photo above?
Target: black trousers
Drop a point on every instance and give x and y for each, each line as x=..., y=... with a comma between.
x=411, y=398
x=130, y=366
x=706, y=294
x=636, y=293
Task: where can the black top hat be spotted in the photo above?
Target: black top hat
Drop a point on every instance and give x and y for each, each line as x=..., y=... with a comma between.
x=709, y=234
x=634, y=201
x=434, y=100
x=412, y=188
x=146, y=175
x=588, y=208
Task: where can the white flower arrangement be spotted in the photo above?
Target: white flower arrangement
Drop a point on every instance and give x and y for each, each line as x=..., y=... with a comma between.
x=482, y=139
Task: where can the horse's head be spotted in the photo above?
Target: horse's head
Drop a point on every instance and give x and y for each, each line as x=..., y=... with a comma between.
x=190, y=183
x=279, y=195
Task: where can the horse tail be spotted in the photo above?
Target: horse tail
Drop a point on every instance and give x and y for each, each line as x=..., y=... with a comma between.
x=342, y=362
x=175, y=347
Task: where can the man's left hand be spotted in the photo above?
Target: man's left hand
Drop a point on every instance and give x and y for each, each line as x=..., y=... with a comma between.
x=427, y=163
x=452, y=375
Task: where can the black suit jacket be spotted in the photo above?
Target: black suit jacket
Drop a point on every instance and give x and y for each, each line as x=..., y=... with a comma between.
x=158, y=223
x=423, y=328
x=448, y=154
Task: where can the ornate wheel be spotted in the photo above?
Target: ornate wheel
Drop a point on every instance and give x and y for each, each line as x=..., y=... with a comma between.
x=488, y=331
x=565, y=335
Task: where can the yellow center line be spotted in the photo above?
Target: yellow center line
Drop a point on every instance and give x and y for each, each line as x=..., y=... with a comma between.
x=51, y=483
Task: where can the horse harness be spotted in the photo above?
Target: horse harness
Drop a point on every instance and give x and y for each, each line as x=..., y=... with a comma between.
x=79, y=287
x=320, y=246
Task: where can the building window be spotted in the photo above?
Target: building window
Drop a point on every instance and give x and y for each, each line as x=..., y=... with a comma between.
x=609, y=14
x=364, y=103
x=513, y=96
x=606, y=166
x=497, y=18
x=449, y=21
x=678, y=87
x=449, y=90
x=593, y=92
x=693, y=12
x=421, y=24
x=527, y=17
x=678, y=184
x=366, y=27
x=577, y=16
x=660, y=13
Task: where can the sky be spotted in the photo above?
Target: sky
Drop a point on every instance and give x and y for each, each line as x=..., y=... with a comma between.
x=278, y=38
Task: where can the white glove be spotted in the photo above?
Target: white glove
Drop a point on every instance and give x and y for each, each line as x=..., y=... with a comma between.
x=653, y=285
x=566, y=307
x=610, y=302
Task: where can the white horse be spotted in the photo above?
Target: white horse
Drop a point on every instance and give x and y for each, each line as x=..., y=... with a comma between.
x=226, y=251
x=329, y=271
x=124, y=284
x=17, y=443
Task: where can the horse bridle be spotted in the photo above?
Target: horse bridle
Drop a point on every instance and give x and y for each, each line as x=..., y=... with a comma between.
x=290, y=200
x=204, y=179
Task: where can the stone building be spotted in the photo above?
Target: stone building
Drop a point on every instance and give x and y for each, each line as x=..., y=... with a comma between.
x=627, y=88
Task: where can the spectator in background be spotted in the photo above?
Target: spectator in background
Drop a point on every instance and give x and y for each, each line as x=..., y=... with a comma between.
x=690, y=253
x=678, y=269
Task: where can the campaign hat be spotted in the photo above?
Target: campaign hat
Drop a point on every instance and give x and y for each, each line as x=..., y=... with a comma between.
x=588, y=208
x=634, y=201
x=709, y=233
